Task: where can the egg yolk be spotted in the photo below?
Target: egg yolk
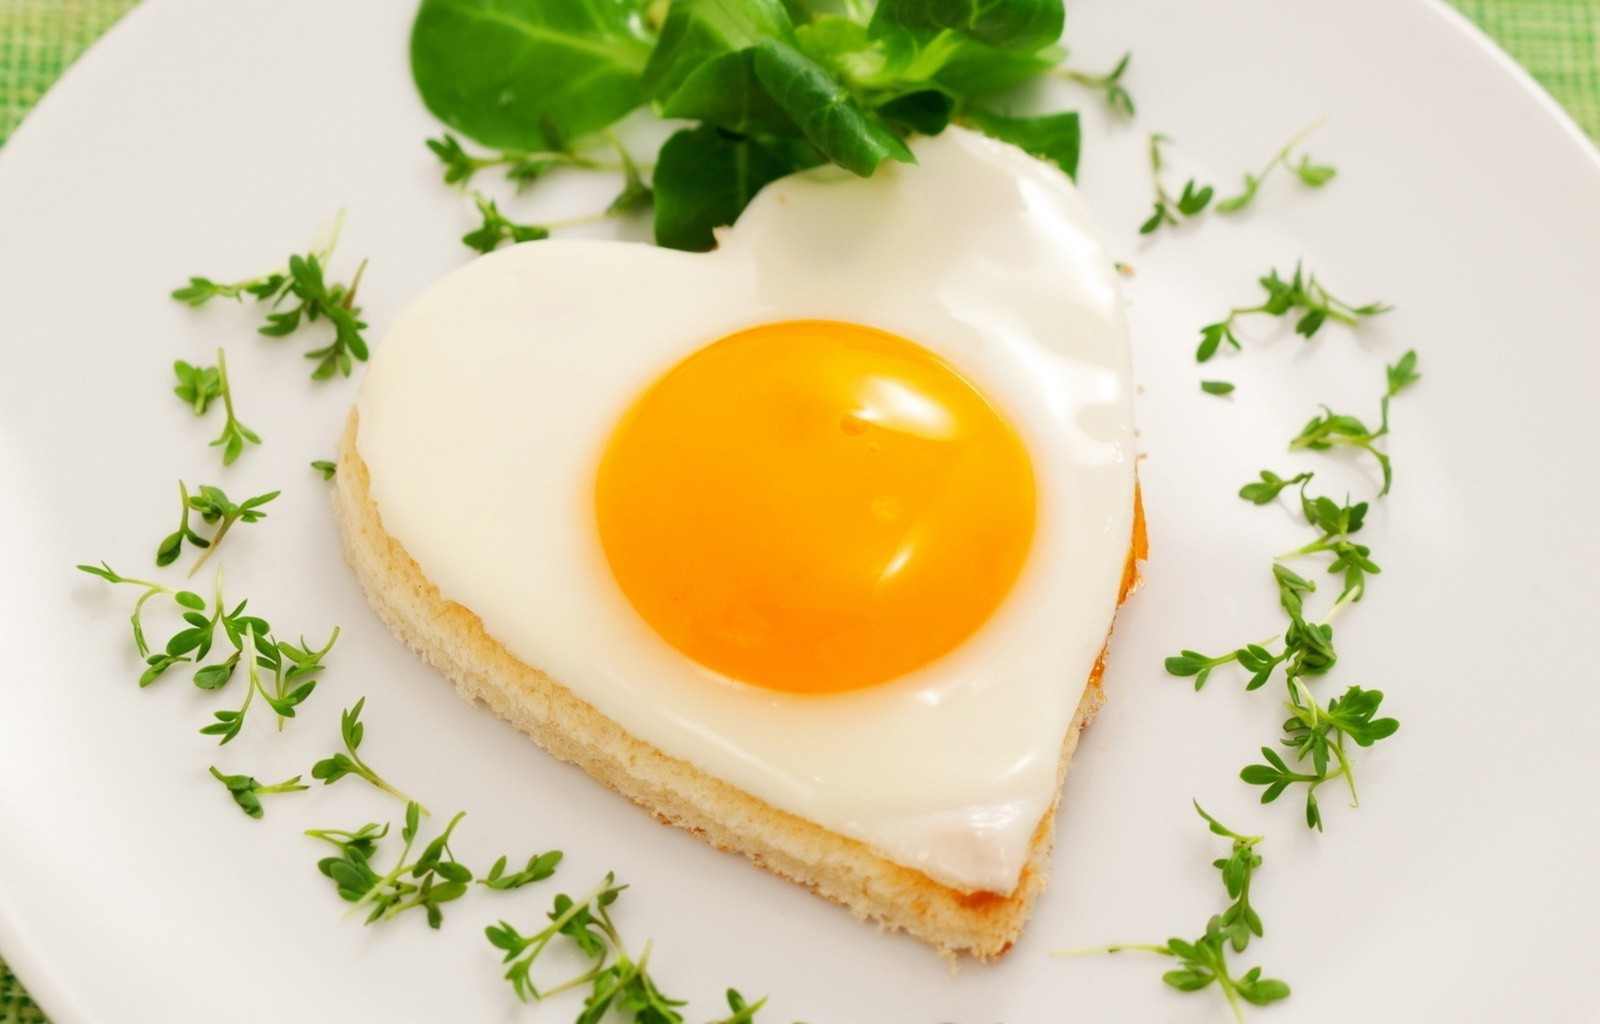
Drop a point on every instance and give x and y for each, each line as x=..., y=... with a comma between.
x=814, y=506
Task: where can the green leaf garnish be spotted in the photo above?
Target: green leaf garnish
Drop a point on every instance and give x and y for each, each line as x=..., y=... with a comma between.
x=247, y=792
x=1169, y=209
x=1330, y=429
x=332, y=769
x=216, y=509
x=614, y=978
x=281, y=673
x=1312, y=175
x=1203, y=962
x=298, y=295
x=1110, y=84
x=529, y=74
x=1301, y=294
x=704, y=177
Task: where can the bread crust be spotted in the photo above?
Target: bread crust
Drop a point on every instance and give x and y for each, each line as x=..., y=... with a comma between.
x=452, y=639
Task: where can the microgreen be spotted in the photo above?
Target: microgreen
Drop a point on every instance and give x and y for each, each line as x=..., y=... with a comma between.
x=332, y=769
x=497, y=229
x=522, y=167
x=247, y=792
x=204, y=385
x=313, y=297
x=1169, y=209
x=435, y=877
x=282, y=673
x=1330, y=429
x=1109, y=83
x=197, y=386
x=1195, y=198
x=1269, y=486
x=292, y=670
x=1203, y=962
x=1310, y=174
x=1316, y=735
x=1301, y=293
x=326, y=467
x=539, y=867
x=613, y=977
x=430, y=881
x=215, y=508
x=1216, y=387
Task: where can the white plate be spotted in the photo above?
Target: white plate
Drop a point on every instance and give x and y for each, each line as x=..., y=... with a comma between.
x=207, y=137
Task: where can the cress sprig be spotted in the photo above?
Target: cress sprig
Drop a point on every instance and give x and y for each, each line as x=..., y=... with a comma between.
x=300, y=294
x=1318, y=733
x=430, y=881
x=1169, y=209
x=1310, y=174
x=214, y=507
x=614, y=978
x=1194, y=198
x=1330, y=429
x=1301, y=293
x=247, y=792
x=1203, y=962
x=521, y=167
x=1108, y=84
x=283, y=674
x=1314, y=733
x=198, y=387
x=497, y=229
x=332, y=769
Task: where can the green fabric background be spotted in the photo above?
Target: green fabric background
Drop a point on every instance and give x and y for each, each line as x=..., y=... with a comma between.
x=1557, y=40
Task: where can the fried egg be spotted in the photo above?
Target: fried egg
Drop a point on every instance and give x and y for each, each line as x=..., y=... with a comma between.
x=837, y=512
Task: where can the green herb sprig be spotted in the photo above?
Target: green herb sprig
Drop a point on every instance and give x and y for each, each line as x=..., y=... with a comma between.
x=198, y=387
x=1169, y=209
x=1203, y=962
x=1301, y=293
x=309, y=296
x=521, y=167
x=1109, y=84
x=332, y=769
x=614, y=978
x=214, y=507
x=326, y=467
x=1318, y=734
x=1195, y=198
x=497, y=229
x=291, y=668
x=428, y=882
x=281, y=673
x=1330, y=429
x=247, y=792
x=1310, y=174
x=1315, y=734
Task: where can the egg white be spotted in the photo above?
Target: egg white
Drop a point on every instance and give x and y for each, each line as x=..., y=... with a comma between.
x=490, y=398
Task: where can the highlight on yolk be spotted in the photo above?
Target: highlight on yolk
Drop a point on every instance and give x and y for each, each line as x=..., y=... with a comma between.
x=814, y=506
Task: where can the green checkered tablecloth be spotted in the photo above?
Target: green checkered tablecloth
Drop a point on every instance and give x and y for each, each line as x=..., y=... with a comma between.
x=1557, y=40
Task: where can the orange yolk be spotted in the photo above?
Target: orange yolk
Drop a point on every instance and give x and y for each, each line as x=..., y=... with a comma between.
x=814, y=506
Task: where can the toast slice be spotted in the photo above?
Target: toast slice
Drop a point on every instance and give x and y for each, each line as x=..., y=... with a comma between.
x=452, y=639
